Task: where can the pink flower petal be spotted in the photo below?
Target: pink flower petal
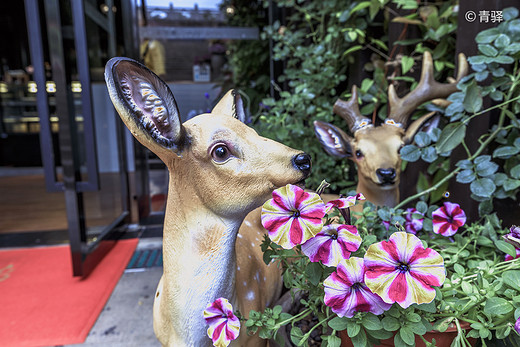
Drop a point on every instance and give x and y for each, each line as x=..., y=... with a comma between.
x=401, y=270
x=508, y=257
x=224, y=326
x=344, y=202
x=292, y=216
x=447, y=219
x=331, y=245
x=346, y=294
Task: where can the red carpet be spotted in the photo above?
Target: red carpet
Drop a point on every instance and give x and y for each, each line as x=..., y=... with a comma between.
x=42, y=304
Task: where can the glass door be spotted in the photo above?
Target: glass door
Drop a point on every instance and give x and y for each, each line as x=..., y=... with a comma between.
x=80, y=183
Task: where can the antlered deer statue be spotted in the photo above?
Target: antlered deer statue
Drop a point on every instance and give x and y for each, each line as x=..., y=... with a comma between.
x=220, y=169
x=375, y=149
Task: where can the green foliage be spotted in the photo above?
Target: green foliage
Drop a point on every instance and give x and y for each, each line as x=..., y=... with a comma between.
x=491, y=170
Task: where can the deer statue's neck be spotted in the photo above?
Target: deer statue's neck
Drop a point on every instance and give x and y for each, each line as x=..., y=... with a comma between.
x=199, y=262
x=379, y=195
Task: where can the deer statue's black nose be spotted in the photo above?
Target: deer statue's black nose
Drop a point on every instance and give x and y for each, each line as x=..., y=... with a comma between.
x=386, y=175
x=302, y=162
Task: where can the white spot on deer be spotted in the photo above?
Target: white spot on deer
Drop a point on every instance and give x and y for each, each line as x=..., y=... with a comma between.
x=248, y=223
x=238, y=268
x=265, y=278
x=245, y=284
x=252, y=244
x=240, y=236
x=257, y=276
x=249, y=256
x=250, y=295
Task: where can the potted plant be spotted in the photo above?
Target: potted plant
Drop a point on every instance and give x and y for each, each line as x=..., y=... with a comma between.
x=399, y=273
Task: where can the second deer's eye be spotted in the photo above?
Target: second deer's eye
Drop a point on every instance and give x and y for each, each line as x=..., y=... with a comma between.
x=220, y=153
x=359, y=154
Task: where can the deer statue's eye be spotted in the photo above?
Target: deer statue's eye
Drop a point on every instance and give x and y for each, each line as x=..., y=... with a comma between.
x=359, y=154
x=220, y=153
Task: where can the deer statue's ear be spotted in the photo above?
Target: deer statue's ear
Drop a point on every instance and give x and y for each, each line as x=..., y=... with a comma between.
x=425, y=123
x=232, y=105
x=333, y=140
x=146, y=106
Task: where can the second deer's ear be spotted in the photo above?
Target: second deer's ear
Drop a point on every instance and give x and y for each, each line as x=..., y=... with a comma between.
x=232, y=105
x=333, y=140
x=146, y=106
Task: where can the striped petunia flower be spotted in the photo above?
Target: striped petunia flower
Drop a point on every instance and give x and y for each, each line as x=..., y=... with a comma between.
x=346, y=293
x=347, y=202
x=411, y=224
x=448, y=218
x=293, y=216
x=224, y=326
x=517, y=326
x=401, y=270
x=332, y=244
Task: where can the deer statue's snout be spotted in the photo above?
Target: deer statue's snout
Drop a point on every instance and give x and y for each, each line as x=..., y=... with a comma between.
x=386, y=175
x=302, y=162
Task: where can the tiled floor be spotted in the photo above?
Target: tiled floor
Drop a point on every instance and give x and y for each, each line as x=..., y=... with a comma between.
x=126, y=319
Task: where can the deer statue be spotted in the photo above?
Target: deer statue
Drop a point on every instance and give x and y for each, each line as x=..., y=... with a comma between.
x=375, y=149
x=220, y=169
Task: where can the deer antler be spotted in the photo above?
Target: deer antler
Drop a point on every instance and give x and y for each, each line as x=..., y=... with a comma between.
x=349, y=111
x=427, y=89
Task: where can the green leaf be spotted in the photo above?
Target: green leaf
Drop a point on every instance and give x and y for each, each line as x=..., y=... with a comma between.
x=398, y=341
x=333, y=340
x=459, y=269
x=473, y=99
x=410, y=153
x=314, y=271
x=483, y=187
x=360, y=6
x=511, y=184
x=390, y=324
x=353, y=329
x=407, y=335
x=430, y=307
x=510, y=13
x=443, y=324
x=505, y=152
x=338, y=323
x=488, y=50
x=487, y=36
x=429, y=154
x=512, y=279
x=515, y=172
x=485, y=167
x=451, y=136
x=406, y=64
x=497, y=306
x=371, y=322
x=466, y=288
x=380, y=334
x=506, y=247
x=466, y=176
x=360, y=340
x=502, y=41
x=296, y=335
x=504, y=59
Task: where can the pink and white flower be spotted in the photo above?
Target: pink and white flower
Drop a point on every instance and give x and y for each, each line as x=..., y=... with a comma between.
x=332, y=244
x=346, y=293
x=341, y=203
x=224, y=326
x=411, y=224
x=293, y=216
x=401, y=270
x=447, y=219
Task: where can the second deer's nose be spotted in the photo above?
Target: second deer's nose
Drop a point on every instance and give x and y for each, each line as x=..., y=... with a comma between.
x=386, y=175
x=302, y=162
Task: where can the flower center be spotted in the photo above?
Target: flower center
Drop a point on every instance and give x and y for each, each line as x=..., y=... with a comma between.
x=356, y=285
x=402, y=267
x=334, y=236
x=296, y=214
